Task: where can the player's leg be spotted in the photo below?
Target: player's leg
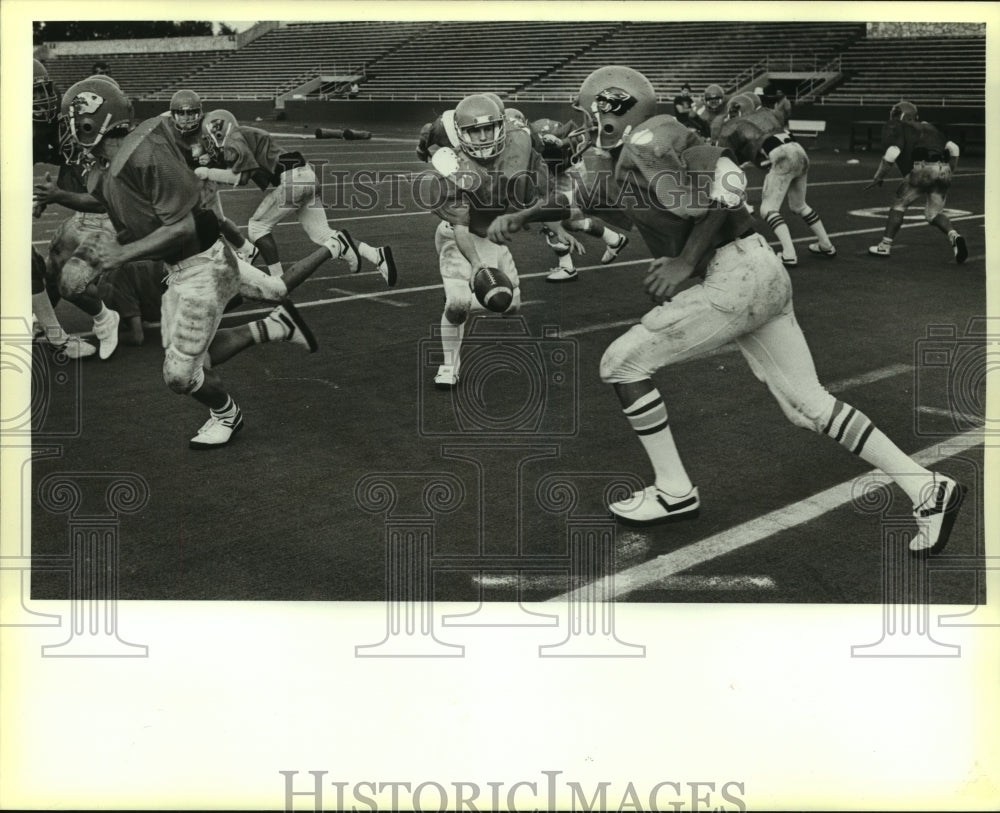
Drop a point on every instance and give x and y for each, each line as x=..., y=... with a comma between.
x=798, y=205
x=937, y=197
x=269, y=213
x=776, y=184
x=780, y=357
x=77, y=286
x=614, y=241
x=563, y=270
x=905, y=195
x=44, y=312
x=455, y=276
x=696, y=321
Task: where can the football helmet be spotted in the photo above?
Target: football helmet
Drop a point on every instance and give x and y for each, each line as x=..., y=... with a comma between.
x=496, y=97
x=714, y=97
x=480, y=125
x=44, y=101
x=94, y=107
x=185, y=110
x=904, y=111
x=613, y=100
x=516, y=116
x=216, y=129
x=741, y=105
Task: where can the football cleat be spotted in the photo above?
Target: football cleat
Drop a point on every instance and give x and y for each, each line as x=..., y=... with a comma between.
x=75, y=348
x=652, y=506
x=961, y=250
x=816, y=248
x=881, y=250
x=342, y=247
x=298, y=331
x=611, y=252
x=560, y=274
x=788, y=262
x=936, y=515
x=446, y=377
x=107, y=334
x=217, y=432
x=386, y=265
x=247, y=252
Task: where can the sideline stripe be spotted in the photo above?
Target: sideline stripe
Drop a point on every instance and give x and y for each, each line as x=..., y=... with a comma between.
x=653, y=572
x=529, y=581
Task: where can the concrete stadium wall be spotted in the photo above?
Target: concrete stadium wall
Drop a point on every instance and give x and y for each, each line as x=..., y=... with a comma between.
x=159, y=45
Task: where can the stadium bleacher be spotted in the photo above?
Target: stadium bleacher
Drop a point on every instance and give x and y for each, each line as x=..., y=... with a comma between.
x=925, y=70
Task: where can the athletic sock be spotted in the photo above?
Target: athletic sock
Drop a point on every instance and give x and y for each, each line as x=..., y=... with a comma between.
x=367, y=252
x=451, y=341
x=268, y=329
x=275, y=269
x=853, y=430
x=648, y=418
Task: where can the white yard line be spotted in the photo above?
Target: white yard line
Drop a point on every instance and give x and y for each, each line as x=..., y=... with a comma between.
x=654, y=572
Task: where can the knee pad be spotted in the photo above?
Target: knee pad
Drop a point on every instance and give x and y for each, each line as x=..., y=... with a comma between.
x=456, y=312
x=256, y=230
x=181, y=372
x=617, y=367
x=76, y=275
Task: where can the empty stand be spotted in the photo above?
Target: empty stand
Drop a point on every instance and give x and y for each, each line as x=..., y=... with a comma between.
x=929, y=70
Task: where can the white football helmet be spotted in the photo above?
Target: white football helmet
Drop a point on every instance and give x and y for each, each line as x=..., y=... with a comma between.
x=217, y=128
x=714, y=97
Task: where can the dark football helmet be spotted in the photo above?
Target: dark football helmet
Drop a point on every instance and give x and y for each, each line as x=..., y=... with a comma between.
x=95, y=107
x=613, y=100
x=44, y=100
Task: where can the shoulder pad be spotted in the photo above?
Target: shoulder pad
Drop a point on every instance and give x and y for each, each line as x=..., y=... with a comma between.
x=659, y=137
x=445, y=161
x=135, y=142
x=448, y=122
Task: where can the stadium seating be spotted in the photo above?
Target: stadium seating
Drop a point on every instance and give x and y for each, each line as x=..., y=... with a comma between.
x=925, y=70
x=139, y=75
x=700, y=53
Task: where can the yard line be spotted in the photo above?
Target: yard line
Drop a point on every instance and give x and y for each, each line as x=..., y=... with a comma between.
x=653, y=572
x=555, y=581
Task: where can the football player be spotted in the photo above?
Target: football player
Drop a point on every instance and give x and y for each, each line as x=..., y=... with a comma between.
x=926, y=160
x=712, y=110
x=702, y=230
x=50, y=145
x=755, y=135
x=289, y=183
x=140, y=177
x=187, y=115
x=469, y=187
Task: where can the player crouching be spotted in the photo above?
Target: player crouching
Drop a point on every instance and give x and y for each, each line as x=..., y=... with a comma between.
x=470, y=187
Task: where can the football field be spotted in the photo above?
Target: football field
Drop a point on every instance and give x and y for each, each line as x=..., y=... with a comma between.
x=345, y=449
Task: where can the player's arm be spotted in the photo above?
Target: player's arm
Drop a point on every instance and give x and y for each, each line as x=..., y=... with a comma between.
x=222, y=175
x=953, y=152
x=885, y=165
x=48, y=192
x=155, y=245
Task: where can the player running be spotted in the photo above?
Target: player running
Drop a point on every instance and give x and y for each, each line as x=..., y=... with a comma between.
x=140, y=177
x=288, y=182
x=754, y=134
x=745, y=295
x=926, y=160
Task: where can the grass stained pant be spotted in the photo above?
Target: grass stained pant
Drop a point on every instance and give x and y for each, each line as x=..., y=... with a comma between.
x=746, y=298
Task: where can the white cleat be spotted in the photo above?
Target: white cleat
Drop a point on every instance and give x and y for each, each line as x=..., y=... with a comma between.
x=342, y=247
x=560, y=274
x=75, y=348
x=613, y=251
x=651, y=506
x=386, y=265
x=447, y=377
x=881, y=250
x=107, y=334
x=298, y=331
x=936, y=515
x=217, y=432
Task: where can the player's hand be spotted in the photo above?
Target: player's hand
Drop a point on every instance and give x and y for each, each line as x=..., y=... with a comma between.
x=875, y=182
x=104, y=253
x=552, y=139
x=201, y=173
x=204, y=159
x=564, y=236
x=664, y=276
x=46, y=192
x=504, y=227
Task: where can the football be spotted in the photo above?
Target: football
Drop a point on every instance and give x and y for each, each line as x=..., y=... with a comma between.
x=493, y=289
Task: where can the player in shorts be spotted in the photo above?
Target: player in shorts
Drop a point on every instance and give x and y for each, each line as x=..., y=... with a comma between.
x=716, y=281
x=927, y=160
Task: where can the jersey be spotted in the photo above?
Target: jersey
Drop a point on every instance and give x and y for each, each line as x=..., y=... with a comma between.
x=658, y=169
x=260, y=157
x=751, y=137
x=190, y=144
x=146, y=185
x=916, y=140
x=474, y=194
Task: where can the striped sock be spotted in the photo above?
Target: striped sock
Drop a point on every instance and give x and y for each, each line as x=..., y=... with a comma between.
x=854, y=431
x=816, y=226
x=648, y=418
x=228, y=412
x=777, y=224
x=268, y=329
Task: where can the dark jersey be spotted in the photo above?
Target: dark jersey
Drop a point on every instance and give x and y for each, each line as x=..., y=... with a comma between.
x=916, y=140
x=46, y=149
x=662, y=173
x=147, y=184
x=260, y=157
x=753, y=136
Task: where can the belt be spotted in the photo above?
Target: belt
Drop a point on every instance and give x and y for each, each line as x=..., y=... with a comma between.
x=748, y=233
x=194, y=259
x=771, y=143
